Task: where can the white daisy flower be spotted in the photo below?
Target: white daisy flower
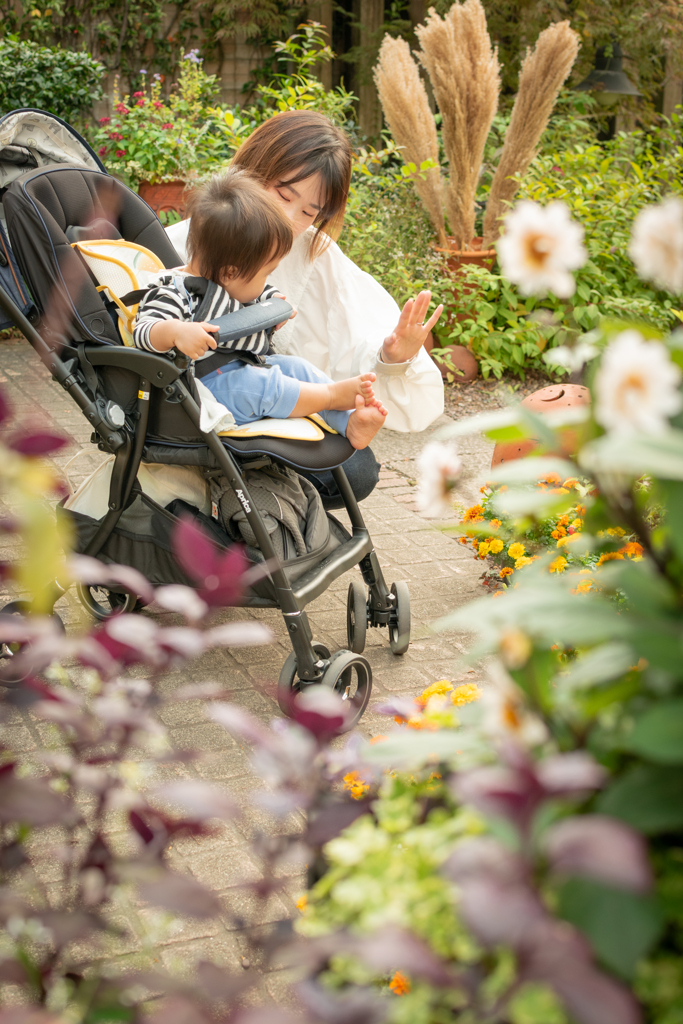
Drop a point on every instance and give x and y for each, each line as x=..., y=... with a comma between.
x=572, y=358
x=540, y=247
x=438, y=467
x=636, y=386
x=657, y=244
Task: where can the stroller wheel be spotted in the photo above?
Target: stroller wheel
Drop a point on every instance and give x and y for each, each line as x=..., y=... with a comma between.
x=399, y=624
x=351, y=676
x=19, y=608
x=102, y=603
x=356, y=617
x=288, y=682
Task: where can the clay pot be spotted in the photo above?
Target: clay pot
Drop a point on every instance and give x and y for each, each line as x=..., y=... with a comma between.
x=457, y=257
x=550, y=399
x=164, y=195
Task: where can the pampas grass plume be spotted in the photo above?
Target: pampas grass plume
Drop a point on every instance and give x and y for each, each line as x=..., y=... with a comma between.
x=411, y=122
x=543, y=73
x=463, y=68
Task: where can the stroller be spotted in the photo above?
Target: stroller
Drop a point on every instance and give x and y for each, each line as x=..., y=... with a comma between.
x=145, y=408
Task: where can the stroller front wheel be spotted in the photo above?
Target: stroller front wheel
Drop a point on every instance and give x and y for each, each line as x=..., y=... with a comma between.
x=351, y=676
x=288, y=683
x=102, y=603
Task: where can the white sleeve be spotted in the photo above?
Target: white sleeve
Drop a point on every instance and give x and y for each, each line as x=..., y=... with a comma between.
x=350, y=313
x=177, y=234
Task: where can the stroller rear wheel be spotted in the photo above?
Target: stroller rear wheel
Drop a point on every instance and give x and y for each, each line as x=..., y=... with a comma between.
x=102, y=603
x=399, y=624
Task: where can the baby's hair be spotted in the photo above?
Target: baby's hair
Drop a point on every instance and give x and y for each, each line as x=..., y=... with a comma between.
x=235, y=226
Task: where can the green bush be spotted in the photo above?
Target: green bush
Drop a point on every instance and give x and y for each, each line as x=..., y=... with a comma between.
x=64, y=82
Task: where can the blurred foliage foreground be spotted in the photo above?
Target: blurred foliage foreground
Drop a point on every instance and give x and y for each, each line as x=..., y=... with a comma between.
x=513, y=856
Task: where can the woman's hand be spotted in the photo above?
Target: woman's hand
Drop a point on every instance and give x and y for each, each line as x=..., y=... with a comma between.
x=411, y=332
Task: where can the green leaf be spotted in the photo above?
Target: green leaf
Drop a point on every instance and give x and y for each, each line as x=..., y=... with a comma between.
x=647, y=797
x=658, y=734
x=599, y=665
x=660, y=456
x=531, y=469
x=620, y=926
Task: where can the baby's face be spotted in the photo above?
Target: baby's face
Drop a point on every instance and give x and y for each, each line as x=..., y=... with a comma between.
x=246, y=289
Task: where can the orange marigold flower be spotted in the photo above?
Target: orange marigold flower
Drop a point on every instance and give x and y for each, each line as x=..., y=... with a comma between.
x=400, y=984
x=355, y=785
x=473, y=514
x=462, y=540
x=633, y=549
x=610, y=556
x=302, y=903
x=507, y=571
x=551, y=478
x=580, y=510
x=583, y=587
x=495, y=523
x=570, y=482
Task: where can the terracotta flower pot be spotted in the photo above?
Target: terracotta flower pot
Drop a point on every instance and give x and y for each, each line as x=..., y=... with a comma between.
x=456, y=258
x=163, y=196
x=550, y=399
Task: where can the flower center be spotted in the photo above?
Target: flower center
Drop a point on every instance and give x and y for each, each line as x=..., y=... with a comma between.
x=537, y=247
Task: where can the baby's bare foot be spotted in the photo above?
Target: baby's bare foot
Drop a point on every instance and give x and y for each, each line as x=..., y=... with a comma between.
x=365, y=421
x=343, y=393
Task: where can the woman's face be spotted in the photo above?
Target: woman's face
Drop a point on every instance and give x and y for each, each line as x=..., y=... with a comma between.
x=302, y=201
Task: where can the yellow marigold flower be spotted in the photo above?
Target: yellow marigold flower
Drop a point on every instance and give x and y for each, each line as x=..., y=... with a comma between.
x=633, y=549
x=516, y=550
x=521, y=562
x=559, y=565
x=495, y=523
x=507, y=571
x=399, y=984
x=570, y=482
x=438, y=689
x=473, y=514
x=465, y=694
x=496, y=546
x=484, y=549
x=612, y=531
x=610, y=556
x=583, y=587
x=576, y=523
x=355, y=785
x=569, y=539
x=302, y=903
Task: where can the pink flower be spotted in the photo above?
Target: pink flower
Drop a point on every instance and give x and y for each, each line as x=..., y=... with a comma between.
x=120, y=152
x=121, y=108
x=157, y=105
x=116, y=136
x=168, y=125
x=105, y=120
x=102, y=150
x=137, y=94
x=140, y=103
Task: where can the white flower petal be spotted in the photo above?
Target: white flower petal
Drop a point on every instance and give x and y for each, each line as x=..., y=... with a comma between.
x=656, y=245
x=438, y=467
x=636, y=386
x=540, y=247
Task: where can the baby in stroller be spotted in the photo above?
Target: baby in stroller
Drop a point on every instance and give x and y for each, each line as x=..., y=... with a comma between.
x=238, y=235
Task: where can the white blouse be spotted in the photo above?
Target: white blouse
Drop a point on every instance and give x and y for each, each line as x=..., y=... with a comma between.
x=343, y=317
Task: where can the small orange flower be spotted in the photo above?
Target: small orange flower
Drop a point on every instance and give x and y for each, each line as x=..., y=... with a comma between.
x=551, y=478
x=570, y=482
x=355, y=785
x=473, y=514
x=400, y=984
x=633, y=549
x=302, y=903
x=583, y=587
x=610, y=556
x=507, y=571
x=377, y=739
x=495, y=523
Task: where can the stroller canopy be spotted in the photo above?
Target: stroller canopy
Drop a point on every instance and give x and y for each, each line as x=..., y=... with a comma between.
x=33, y=138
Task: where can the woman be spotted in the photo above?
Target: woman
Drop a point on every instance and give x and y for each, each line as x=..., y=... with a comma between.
x=346, y=322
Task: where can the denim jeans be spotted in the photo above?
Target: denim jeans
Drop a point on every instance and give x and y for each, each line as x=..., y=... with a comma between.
x=362, y=470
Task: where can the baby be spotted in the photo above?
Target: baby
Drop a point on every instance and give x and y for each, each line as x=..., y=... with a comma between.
x=238, y=235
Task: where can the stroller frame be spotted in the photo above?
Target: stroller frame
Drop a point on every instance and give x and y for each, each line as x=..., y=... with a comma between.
x=309, y=663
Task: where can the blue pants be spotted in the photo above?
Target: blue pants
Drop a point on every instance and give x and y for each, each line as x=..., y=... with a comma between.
x=252, y=392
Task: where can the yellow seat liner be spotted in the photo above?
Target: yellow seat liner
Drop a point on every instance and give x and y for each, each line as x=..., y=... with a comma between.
x=296, y=429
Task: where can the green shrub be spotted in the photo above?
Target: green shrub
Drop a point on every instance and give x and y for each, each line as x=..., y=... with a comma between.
x=65, y=82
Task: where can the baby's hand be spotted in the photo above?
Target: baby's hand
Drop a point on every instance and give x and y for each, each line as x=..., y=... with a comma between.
x=193, y=339
x=279, y=295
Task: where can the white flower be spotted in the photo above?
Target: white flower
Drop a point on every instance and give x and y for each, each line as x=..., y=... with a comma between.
x=438, y=467
x=657, y=244
x=636, y=386
x=539, y=248
x=571, y=358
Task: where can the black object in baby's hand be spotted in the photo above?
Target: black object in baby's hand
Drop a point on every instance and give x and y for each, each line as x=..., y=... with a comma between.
x=260, y=316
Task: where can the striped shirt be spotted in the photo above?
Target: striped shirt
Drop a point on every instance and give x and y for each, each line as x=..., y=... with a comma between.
x=169, y=299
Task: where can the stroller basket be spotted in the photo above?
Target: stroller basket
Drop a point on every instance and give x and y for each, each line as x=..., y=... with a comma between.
x=144, y=410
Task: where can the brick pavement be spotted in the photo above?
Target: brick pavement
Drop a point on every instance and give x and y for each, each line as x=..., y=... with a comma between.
x=441, y=575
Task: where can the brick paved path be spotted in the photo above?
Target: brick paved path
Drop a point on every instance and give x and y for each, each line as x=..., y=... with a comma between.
x=441, y=575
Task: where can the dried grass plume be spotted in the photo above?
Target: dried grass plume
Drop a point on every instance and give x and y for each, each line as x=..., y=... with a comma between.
x=463, y=68
x=543, y=73
x=411, y=122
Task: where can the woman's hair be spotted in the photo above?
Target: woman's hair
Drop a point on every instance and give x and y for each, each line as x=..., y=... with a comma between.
x=295, y=145
x=236, y=226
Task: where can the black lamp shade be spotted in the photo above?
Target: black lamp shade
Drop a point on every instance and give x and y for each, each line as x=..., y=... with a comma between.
x=607, y=76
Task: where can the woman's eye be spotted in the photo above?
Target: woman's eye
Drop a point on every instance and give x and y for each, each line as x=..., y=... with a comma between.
x=286, y=198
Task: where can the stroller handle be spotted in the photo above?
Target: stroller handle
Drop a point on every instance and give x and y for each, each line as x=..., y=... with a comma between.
x=260, y=316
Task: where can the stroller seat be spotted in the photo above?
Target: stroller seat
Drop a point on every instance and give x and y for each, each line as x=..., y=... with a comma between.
x=144, y=407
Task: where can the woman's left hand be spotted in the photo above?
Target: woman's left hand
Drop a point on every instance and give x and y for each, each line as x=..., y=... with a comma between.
x=411, y=332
